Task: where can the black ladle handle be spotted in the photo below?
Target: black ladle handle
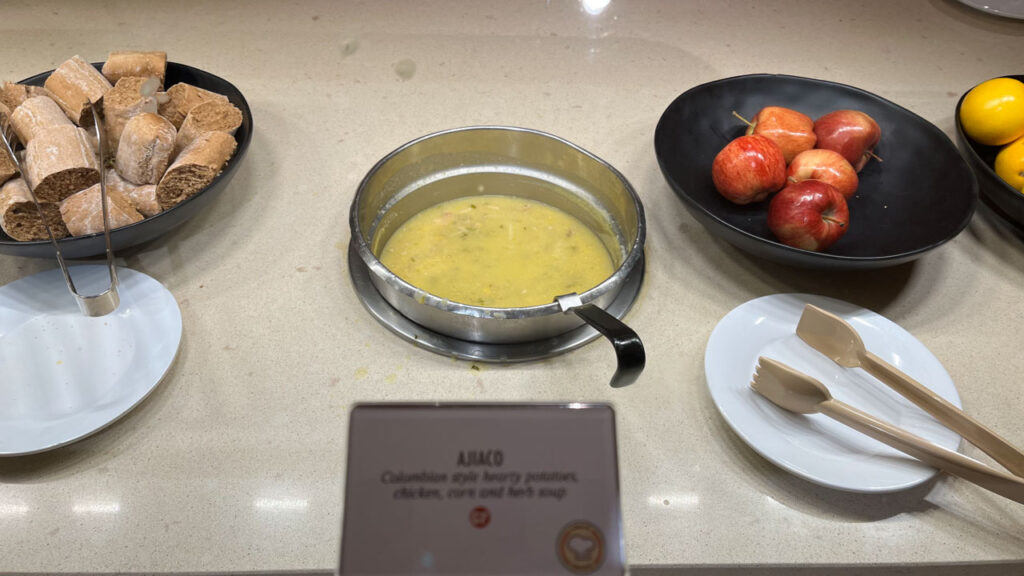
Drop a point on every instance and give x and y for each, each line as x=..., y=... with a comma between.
x=629, y=350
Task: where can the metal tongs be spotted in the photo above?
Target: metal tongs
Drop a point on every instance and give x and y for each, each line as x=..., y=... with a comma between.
x=96, y=304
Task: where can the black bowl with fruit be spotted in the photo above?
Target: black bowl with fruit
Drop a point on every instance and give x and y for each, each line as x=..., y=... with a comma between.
x=1002, y=198
x=153, y=226
x=914, y=194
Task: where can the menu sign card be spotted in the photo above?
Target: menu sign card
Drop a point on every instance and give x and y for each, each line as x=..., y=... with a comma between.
x=482, y=489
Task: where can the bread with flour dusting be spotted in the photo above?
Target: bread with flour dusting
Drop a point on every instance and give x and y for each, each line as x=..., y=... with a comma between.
x=60, y=161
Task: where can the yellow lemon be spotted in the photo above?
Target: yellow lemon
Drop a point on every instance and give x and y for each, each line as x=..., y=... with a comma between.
x=1010, y=164
x=993, y=112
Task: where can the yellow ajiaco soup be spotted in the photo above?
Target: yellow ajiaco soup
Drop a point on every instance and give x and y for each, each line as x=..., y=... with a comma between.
x=497, y=251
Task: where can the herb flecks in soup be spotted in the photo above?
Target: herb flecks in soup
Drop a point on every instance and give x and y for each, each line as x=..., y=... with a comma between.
x=497, y=251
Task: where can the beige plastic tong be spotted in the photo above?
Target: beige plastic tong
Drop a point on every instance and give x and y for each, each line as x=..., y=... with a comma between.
x=797, y=392
x=837, y=339
x=108, y=300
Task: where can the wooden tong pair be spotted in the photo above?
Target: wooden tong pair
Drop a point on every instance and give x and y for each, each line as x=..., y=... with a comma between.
x=835, y=338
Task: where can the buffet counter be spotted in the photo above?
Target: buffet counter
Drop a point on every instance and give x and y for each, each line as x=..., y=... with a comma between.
x=236, y=461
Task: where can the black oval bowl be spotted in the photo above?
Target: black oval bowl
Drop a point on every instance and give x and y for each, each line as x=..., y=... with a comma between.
x=153, y=226
x=922, y=195
x=1003, y=198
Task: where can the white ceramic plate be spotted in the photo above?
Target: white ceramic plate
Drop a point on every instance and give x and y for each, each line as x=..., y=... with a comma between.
x=64, y=375
x=816, y=447
x=1005, y=8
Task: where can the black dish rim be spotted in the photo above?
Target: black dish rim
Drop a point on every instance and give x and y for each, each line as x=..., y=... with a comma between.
x=44, y=248
x=788, y=254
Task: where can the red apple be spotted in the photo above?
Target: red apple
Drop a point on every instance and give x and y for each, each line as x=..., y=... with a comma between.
x=811, y=215
x=791, y=130
x=748, y=169
x=826, y=165
x=852, y=133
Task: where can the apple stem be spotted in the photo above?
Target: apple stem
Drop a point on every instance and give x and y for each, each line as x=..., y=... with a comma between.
x=834, y=221
x=875, y=156
x=745, y=121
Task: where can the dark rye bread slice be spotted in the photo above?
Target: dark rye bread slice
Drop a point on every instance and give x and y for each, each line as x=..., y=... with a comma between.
x=194, y=168
x=60, y=161
x=8, y=167
x=182, y=98
x=12, y=95
x=214, y=115
x=19, y=217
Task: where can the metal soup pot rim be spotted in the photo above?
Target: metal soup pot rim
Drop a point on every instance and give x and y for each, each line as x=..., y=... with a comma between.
x=613, y=283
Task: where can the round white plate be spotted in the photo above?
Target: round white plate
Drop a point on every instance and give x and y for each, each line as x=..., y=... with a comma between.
x=64, y=375
x=1005, y=8
x=814, y=446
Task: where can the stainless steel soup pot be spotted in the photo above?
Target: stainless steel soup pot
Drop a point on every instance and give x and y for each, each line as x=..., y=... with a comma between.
x=505, y=161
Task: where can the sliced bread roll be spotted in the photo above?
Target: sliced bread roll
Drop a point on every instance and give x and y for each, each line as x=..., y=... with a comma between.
x=212, y=116
x=131, y=96
x=12, y=95
x=197, y=165
x=145, y=64
x=8, y=167
x=35, y=115
x=19, y=217
x=76, y=85
x=145, y=149
x=182, y=98
x=83, y=213
x=143, y=198
x=60, y=161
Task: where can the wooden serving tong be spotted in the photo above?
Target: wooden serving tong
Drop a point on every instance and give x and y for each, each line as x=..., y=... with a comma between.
x=837, y=339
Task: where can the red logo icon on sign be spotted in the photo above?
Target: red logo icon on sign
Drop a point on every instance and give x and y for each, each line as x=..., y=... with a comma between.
x=479, y=517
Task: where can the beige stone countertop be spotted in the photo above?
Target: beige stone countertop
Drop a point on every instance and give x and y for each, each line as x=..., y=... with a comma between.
x=236, y=461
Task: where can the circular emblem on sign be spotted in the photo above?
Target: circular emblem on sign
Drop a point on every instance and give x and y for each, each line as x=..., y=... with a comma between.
x=479, y=517
x=581, y=547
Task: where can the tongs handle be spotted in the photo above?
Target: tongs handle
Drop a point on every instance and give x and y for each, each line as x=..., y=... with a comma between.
x=955, y=463
x=107, y=301
x=945, y=412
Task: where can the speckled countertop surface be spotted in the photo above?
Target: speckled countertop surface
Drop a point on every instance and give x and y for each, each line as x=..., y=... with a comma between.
x=236, y=461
